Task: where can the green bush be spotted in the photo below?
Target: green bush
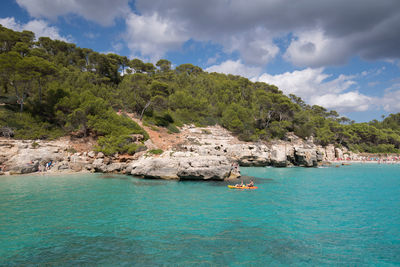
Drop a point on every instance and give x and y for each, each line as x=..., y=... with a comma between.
x=66, y=88
x=35, y=145
x=155, y=151
x=122, y=144
x=71, y=150
x=25, y=126
x=173, y=129
x=163, y=120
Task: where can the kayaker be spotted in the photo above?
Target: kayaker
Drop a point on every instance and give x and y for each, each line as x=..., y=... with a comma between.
x=251, y=184
x=239, y=185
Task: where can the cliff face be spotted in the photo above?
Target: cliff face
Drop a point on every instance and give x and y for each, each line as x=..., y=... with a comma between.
x=210, y=153
x=219, y=142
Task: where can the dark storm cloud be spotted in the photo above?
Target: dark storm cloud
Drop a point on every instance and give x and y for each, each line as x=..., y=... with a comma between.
x=101, y=11
x=368, y=28
x=326, y=31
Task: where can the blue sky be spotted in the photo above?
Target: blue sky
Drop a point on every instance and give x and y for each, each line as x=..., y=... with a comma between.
x=340, y=55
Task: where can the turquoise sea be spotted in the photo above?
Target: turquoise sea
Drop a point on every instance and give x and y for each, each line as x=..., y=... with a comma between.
x=347, y=216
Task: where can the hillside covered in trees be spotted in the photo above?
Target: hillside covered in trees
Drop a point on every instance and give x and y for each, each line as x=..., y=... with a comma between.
x=50, y=88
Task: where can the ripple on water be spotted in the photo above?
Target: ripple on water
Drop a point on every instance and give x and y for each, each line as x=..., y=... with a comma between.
x=330, y=216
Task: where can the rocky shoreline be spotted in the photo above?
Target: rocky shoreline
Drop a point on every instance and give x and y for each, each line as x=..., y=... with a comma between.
x=210, y=153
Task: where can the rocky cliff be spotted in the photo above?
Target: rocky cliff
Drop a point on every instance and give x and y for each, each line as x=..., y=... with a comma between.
x=210, y=153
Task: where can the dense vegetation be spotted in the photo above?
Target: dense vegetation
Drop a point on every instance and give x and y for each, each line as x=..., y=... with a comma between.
x=50, y=88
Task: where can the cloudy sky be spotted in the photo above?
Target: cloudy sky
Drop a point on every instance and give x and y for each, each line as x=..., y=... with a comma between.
x=341, y=54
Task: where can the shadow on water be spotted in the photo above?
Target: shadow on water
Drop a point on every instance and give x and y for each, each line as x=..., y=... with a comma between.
x=159, y=182
x=135, y=180
x=239, y=244
x=245, y=179
x=113, y=176
x=150, y=182
x=236, y=244
x=83, y=250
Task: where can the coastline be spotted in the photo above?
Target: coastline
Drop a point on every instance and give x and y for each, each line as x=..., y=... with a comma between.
x=329, y=164
x=365, y=162
x=196, y=153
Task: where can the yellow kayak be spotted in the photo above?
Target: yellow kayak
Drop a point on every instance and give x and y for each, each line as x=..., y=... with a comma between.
x=241, y=187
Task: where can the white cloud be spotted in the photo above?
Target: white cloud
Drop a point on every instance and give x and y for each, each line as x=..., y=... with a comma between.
x=235, y=68
x=256, y=47
x=212, y=60
x=314, y=86
x=10, y=23
x=391, y=99
x=307, y=82
x=91, y=35
x=101, y=11
x=314, y=49
x=351, y=101
x=259, y=52
x=152, y=36
x=40, y=27
x=117, y=46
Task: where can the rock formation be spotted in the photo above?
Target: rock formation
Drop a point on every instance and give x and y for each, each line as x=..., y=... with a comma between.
x=183, y=166
x=210, y=153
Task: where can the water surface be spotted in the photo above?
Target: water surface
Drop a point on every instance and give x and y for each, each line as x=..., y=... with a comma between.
x=298, y=216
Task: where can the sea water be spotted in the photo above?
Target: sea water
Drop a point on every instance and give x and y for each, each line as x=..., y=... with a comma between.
x=298, y=216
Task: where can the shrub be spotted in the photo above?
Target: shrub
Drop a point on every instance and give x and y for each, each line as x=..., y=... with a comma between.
x=156, y=151
x=26, y=126
x=71, y=150
x=35, y=145
x=173, y=129
x=111, y=144
x=205, y=131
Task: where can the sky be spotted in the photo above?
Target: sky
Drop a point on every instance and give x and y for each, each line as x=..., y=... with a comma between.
x=342, y=55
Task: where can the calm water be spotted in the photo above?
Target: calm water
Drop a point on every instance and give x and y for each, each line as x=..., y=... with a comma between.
x=298, y=216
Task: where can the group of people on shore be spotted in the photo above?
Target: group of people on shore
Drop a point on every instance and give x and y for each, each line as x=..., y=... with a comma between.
x=46, y=167
x=41, y=168
x=383, y=160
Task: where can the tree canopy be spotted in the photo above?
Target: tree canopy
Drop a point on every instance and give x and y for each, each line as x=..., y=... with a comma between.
x=56, y=88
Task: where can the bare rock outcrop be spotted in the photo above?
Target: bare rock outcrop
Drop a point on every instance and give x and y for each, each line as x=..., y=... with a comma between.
x=210, y=153
x=182, y=166
x=338, y=153
x=306, y=157
x=20, y=157
x=279, y=156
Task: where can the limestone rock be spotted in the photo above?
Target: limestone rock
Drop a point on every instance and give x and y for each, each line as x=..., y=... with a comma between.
x=306, y=157
x=137, y=137
x=115, y=167
x=320, y=154
x=162, y=168
x=25, y=168
x=25, y=159
x=329, y=153
x=77, y=166
x=178, y=167
x=99, y=165
x=278, y=156
x=204, y=168
x=338, y=153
